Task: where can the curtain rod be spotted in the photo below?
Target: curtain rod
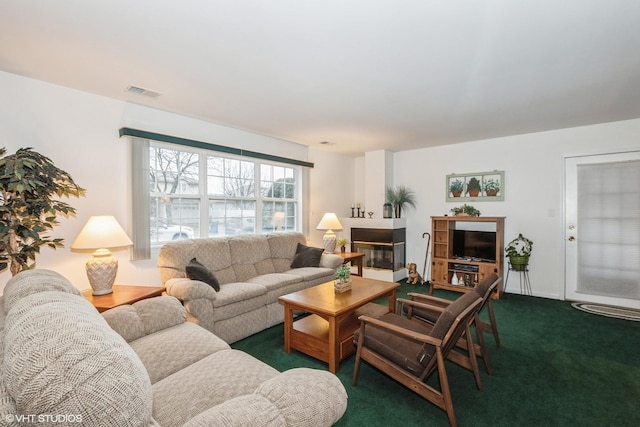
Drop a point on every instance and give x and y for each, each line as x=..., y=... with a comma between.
x=208, y=146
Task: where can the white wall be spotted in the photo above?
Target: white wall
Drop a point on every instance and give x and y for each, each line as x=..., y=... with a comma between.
x=533, y=205
x=331, y=190
x=79, y=132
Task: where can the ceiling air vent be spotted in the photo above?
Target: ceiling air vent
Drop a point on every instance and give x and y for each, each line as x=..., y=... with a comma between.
x=137, y=90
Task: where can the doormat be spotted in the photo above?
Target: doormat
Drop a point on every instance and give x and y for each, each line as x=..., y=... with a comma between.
x=609, y=311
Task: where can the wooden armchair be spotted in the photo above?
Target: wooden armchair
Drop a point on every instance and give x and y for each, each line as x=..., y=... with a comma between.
x=410, y=351
x=435, y=306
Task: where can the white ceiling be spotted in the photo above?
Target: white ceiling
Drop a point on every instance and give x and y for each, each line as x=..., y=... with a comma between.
x=362, y=74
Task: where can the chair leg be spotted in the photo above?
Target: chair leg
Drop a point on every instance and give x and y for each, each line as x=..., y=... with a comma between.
x=472, y=358
x=494, y=325
x=356, y=366
x=444, y=388
x=482, y=344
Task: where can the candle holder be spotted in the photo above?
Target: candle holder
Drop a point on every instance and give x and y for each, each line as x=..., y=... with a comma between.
x=352, y=209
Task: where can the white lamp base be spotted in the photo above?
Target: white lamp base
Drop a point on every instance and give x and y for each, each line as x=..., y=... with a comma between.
x=329, y=241
x=101, y=271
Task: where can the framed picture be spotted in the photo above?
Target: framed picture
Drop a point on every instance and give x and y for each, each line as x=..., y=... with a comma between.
x=478, y=186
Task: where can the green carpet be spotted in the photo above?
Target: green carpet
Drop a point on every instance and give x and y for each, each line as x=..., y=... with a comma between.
x=557, y=367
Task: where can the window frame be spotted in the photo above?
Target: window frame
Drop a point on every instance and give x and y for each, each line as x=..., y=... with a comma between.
x=145, y=248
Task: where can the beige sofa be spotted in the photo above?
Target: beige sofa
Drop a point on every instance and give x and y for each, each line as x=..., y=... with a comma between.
x=253, y=271
x=62, y=364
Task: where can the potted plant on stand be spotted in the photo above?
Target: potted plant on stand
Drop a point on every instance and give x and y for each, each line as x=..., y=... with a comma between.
x=399, y=197
x=343, y=279
x=29, y=183
x=519, y=251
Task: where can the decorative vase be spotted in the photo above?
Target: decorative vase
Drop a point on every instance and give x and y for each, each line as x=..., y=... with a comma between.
x=454, y=279
x=388, y=210
x=398, y=211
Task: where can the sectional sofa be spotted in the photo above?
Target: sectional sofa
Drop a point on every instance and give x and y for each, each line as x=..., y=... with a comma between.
x=62, y=363
x=252, y=272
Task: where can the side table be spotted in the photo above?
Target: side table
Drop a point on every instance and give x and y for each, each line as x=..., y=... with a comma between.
x=121, y=295
x=356, y=258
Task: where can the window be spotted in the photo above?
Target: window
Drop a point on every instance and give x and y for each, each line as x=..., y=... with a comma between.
x=200, y=193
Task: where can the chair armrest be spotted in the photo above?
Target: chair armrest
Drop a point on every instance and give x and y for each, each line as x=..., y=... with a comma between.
x=427, y=307
x=405, y=333
x=145, y=317
x=188, y=290
x=429, y=299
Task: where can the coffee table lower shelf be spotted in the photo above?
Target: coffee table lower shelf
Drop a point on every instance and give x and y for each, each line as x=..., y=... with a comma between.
x=310, y=335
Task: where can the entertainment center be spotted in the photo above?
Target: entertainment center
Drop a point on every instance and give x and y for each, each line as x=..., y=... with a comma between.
x=468, y=247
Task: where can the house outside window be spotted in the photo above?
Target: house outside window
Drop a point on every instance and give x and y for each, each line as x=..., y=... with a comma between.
x=196, y=193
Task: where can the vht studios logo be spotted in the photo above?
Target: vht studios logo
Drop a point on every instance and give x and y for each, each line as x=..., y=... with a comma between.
x=43, y=418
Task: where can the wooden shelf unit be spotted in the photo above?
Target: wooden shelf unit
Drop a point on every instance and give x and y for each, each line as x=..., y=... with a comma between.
x=443, y=264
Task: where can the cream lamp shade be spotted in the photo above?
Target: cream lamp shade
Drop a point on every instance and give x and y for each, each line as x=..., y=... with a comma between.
x=102, y=233
x=329, y=222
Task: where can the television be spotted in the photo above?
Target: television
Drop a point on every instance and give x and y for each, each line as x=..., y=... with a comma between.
x=474, y=245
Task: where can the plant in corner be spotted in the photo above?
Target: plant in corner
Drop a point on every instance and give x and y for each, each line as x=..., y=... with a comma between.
x=29, y=185
x=399, y=197
x=473, y=187
x=519, y=251
x=465, y=210
x=455, y=187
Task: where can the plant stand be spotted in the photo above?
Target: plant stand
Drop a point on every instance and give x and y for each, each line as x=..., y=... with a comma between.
x=525, y=283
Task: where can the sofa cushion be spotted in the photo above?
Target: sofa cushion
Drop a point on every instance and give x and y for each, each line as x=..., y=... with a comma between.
x=211, y=381
x=181, y=345
x=306, y=256
x=64, y=359
x=250, y=410
x=276, y=280
x=311, y=273
x=196, y=271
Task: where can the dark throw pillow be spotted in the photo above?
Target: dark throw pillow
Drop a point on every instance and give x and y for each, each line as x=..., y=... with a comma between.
x=306, y=256
x=197, y=271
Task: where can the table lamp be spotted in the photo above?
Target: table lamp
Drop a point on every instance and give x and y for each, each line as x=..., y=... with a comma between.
x=329, y=222
x=102, y=233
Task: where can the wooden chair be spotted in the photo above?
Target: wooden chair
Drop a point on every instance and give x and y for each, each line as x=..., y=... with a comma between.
x=410, y=351
x=435, y=305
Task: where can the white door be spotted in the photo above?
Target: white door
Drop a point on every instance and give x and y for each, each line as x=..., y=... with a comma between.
x=602, y=229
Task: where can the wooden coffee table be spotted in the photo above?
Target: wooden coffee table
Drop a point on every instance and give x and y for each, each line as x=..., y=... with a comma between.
x=327, y=333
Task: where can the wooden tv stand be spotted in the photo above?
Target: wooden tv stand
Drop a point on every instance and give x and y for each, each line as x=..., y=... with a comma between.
x=444, y=264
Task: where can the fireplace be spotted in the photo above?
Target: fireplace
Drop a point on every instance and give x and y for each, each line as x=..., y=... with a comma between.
x=384, y=251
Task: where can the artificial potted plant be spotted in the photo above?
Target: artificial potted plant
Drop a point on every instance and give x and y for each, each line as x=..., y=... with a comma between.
x=343, y=279
x=491, y=187
x=29, y=185
x=473, y=187
x=519, y=251
x=399, y=197
x=342, y=243
x=465, y=210
x=455, y=187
